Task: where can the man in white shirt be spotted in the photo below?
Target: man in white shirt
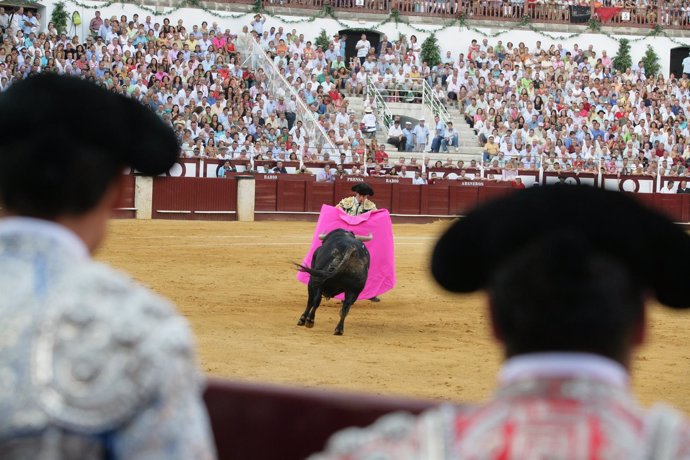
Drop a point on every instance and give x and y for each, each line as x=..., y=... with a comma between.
x=669, y=188
x=4, y=19
x=369, y=122
x=509, y=150
x=326, y=175
x=421, y=135
x=453, y=89
x=28, y=22
x=419, y=178
x=342, y=119
x=258, y=24
x=362, y=48
x=395, y=135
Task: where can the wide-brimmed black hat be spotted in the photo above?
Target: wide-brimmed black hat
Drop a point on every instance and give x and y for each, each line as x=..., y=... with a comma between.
x=653, y=249
x=363, y=189
x=64, y=140
x=60, y=111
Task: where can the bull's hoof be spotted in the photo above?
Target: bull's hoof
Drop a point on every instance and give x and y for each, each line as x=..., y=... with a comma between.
x=300, y=322
x=338, y=332
x=310, y=324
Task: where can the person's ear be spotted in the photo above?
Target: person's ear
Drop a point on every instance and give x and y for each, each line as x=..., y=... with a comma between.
x=115, y=191
x=639, y=333
x=495, y=330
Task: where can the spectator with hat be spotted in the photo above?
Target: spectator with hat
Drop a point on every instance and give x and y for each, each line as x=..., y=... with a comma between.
x=369, y=122
x=421, y=135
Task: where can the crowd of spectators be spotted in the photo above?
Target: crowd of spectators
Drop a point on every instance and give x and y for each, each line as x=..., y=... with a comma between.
x=568, y=110
x=641, y=11
x=638, y=12
x=559, y=108
x=562, y=109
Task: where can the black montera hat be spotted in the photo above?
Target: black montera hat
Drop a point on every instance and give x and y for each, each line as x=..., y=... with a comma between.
x=653, y=249
x=65, y=139
x=363, y=189
x=44, y=110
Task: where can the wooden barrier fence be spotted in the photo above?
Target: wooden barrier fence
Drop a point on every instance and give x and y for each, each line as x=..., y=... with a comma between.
x=300, y=197
x=194, y=198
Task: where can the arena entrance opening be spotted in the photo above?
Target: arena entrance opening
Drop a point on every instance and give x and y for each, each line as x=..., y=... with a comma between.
x=353, y=36
x=677, y=56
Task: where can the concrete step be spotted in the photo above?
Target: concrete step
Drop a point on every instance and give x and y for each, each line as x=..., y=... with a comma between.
x=433, y=157
x=469, y=144
x=452, y=153
x=393, y=153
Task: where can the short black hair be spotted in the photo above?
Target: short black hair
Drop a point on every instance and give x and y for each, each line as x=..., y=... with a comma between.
x=363, y=189
x=65, y=140
x=582, y=300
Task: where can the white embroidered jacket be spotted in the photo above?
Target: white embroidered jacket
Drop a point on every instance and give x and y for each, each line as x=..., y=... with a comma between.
x=92, y=365
x=558, y=406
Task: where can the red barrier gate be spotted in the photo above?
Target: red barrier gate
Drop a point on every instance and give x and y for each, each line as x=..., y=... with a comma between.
x=125, y=207
x=194, y=198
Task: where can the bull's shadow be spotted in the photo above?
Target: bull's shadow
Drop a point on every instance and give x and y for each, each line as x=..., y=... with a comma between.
x=339, y=266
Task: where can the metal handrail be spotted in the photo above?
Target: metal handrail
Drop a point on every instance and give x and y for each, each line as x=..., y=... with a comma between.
x=383, y=114
x=256, y=58
x=433, y=102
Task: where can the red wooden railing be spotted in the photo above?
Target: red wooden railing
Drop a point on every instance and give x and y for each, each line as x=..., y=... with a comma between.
x=667, y=15
x=125, y=207
x=296, y=196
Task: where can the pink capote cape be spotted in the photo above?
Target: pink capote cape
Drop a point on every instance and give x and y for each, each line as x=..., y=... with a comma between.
x=382, y=268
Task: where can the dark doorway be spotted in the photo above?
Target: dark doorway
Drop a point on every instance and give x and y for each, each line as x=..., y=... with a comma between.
x=677, y=56
x=353, y=36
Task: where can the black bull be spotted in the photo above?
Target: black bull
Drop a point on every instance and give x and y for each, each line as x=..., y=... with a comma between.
x=339, y=265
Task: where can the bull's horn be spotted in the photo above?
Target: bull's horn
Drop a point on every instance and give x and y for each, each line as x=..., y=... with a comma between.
x=364, y=238
x=322, y=236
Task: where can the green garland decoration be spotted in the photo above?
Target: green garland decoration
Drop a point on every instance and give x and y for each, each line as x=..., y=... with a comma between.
x=593, y=26
x=395, y=16
x=293, y=21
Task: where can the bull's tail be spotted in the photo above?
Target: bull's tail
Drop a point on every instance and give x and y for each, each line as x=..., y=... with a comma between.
x=319, y=277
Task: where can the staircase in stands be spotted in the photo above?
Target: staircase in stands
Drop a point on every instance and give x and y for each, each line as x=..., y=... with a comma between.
x=469, y=148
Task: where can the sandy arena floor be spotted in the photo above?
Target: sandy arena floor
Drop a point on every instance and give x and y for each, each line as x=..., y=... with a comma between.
x=236, y=285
